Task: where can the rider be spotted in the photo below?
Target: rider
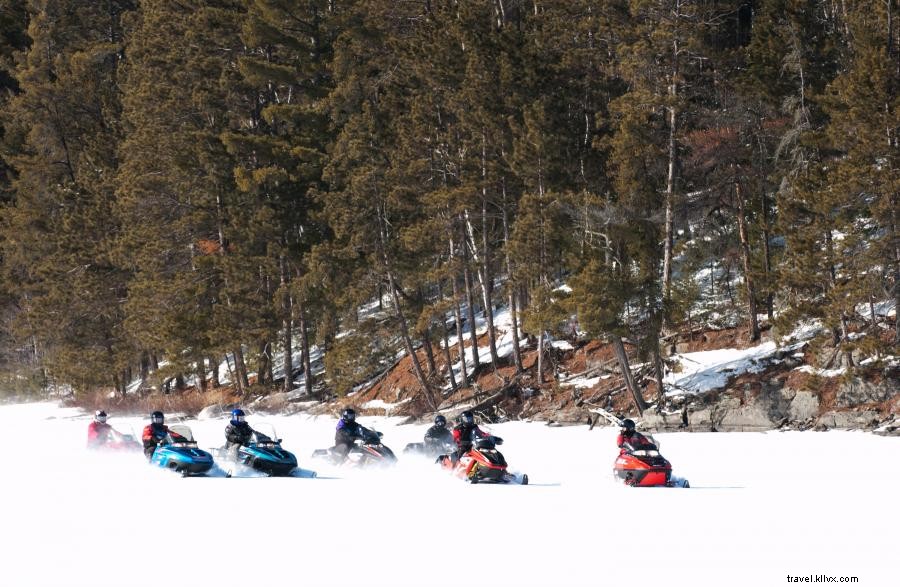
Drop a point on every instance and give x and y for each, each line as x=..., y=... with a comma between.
x=348, y=430
x=437, y=436
x=155, y=433
x=629, y=436
x=238, y=432
x=99, y=431
x=465, y=433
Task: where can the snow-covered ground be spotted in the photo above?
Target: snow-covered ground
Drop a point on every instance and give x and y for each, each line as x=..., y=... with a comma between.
x=762, y=506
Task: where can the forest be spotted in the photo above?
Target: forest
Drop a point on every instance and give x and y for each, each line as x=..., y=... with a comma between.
x=184, y=182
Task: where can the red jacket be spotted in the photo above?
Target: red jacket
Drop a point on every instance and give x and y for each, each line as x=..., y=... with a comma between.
x=636, y=440
x=464, y=435
x=152, y=433
x=98, y=433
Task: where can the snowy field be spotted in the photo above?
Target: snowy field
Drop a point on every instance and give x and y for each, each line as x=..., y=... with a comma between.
x=762, y=506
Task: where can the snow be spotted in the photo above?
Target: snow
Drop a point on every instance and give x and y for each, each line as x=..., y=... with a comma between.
x=821, y=372
x=707, y=370
x=883, y=308
x=762, y=506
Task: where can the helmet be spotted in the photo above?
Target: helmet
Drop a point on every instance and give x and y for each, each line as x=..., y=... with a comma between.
x=440, y=421
x=348, y=415
x=237, y=415
x=157, y=417
x=100, y=416
x=467, y=417
x=628, y=425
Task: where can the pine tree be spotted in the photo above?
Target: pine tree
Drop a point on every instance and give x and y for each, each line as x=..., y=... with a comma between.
x=65, y=125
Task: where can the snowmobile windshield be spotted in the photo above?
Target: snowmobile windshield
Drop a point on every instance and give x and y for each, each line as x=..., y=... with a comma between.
x=264, y=434
x=124, y=434
x=181, y=435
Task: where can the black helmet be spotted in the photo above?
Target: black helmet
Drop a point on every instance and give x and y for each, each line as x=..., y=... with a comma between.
x=100, y=416
x=467, y=417
x=628, y=425
x=348, y=415
x=157, y=417
x=440, y=421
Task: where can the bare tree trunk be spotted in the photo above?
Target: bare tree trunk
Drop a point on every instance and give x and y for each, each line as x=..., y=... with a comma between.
x=214, y=369
x=201, y=375
x=487, y=279
x=540, y=358
x=470, y=300
x=145, y=366
x=659, y=375
x=767, y=254
x=446, y=347
x=622, y=356
x=670, y=175
x=429, y=353
x=287, y=325
x=265, y=363
x=460, y=340
x=240, y=371
x=309, y=380
x=745, y=258
x=513, y=313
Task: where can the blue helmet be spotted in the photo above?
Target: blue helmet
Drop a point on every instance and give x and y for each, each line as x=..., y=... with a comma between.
x=237, y=415
x=348, y=415
x=467, y=418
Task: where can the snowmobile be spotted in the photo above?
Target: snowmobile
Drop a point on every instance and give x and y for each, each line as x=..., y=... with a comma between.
x=264, y=454
x=366, y=452
x=430, y=449
x=641, y=465
x=119, y=442
x=482, y=464
x=179, y=453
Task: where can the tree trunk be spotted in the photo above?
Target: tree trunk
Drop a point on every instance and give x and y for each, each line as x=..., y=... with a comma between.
x=214, y=369
x=145, y=366
x=446, y=336
x=201, y=375
x=401, y=318
x=263, y=376
x=745, y=258
x=470, y=300
x=287, y=325
x=670, y=176
x=540, y=359
x=767, y=254
x=429, y=354
x=622, y=356
x=240, y=371
x=309, y=380
x=460, y=339
x=179, y=382
x=513, y=313
x=487, y=278
x=659, y=374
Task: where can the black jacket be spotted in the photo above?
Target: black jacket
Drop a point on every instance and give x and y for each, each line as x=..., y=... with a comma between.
x=438, y=435
x=238, y=433
x=347, y=432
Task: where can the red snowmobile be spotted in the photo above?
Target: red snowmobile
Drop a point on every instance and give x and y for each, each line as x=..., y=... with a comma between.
x=641, y=465
x=482, y=464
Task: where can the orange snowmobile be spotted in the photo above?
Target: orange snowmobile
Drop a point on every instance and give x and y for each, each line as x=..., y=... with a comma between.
x=641, y=465
x=482, y=464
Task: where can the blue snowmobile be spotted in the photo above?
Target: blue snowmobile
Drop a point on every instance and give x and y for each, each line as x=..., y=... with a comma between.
x=179, y=453
x=265, y=454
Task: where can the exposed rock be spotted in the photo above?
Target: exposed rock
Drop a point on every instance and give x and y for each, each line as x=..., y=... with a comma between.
x=865, y=419
x=857, y=391
x=804, y=406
